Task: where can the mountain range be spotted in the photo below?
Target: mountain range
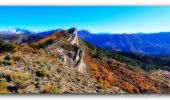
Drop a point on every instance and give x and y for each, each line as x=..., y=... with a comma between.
x=150, y=43
x=67, y=61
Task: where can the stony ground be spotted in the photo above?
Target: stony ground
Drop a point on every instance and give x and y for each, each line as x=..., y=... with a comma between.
x=39, y=73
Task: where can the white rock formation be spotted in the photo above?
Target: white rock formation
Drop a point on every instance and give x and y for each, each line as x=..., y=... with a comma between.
x=79, y=55
x=74, y=37
x=76, y=58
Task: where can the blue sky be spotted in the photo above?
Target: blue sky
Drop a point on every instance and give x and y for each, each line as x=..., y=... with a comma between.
x=114, y=19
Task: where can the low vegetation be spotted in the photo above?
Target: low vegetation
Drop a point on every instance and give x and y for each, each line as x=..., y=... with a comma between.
x=17, y=57
x=3, y=87
x=11, y=81
x=42, y=72
x=10, y=59
x=112, y=72
x=7, y=47
x=20, y=79
x=8, y=62
x=43, y=45
x=51, y=89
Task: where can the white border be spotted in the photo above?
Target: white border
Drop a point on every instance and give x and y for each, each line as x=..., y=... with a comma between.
x=78, y=3
x=85, y=97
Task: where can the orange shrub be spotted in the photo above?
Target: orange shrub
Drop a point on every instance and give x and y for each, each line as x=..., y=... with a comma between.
x=118, y=74
x=25, y=48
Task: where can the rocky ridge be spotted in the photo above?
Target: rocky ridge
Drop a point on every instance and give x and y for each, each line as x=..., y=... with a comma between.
x=58, y=68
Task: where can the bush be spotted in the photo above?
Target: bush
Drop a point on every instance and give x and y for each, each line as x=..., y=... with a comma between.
x=103, y=85
x=19, y=78
x=1, y=61
x=7, y=47
x=3, y=87
x=51, y=89
x=8, y=62
x=7, y=57
x=17, y=58
x=43, y=45
x=42, y=72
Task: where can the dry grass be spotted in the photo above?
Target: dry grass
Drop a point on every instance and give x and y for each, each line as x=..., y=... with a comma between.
x=51, y=89
x=11, y=58
x=1, y=61
x=18, y=56
x=42, y=72
x=21, y=79
x=3, y=88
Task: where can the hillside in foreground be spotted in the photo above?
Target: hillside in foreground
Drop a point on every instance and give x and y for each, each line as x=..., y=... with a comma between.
x=62, y=63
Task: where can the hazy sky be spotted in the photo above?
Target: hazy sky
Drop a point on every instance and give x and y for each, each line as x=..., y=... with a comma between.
x=115, y=19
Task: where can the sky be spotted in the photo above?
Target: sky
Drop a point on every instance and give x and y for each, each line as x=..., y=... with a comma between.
x=113, y=19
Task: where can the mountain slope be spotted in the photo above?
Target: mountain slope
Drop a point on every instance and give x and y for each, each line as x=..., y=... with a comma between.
x=153, y=43
x=110, y=72
x=61, y=63
x=50, y=67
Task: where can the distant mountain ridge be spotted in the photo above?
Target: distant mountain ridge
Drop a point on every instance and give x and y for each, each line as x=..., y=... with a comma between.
x=150, y=43
x=23, y=35
x=16, y=31
x=153, y=43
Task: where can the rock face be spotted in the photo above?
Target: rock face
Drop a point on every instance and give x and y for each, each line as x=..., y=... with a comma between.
x=73, y=36
x=66, y=47
x=81, y=64
x=78, y=55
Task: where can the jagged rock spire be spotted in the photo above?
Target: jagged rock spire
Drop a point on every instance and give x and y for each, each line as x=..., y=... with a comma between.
x=72, y=30
x=73, y=36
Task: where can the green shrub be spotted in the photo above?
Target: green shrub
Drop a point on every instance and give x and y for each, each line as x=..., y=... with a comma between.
x=7, y=47
x=43, y=45
x=8, y=62
x=42, y=72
